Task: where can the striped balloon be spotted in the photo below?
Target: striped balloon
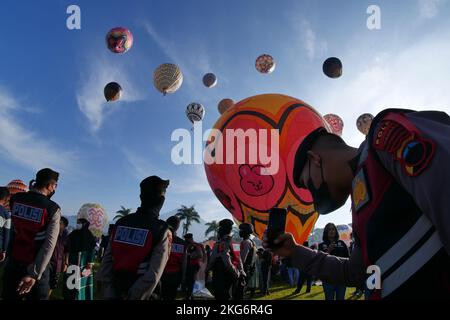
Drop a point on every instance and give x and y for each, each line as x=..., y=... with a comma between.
x=209, y=80
x=195, y=112
x=16, y=186
x=265, y=63
x=167, y=78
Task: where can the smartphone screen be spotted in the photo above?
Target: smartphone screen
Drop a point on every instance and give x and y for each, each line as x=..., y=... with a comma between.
x=277, y=225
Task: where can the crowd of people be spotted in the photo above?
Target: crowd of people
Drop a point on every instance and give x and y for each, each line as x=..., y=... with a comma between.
x=141, y=257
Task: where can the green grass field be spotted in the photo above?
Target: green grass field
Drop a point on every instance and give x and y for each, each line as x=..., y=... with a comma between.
x=278, y=291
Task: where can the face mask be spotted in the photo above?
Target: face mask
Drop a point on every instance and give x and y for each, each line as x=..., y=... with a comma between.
x=79, y=226
x=50, y=195
x=157, y=201
x=323, y=201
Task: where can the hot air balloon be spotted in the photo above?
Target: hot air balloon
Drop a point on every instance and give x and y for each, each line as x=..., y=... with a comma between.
x=195, y=112
x=247, y=189
x=16, y=186
x=332, y=67
x=119, y=40
x=97, y=217
x=112, y=91
x=265, y=63
x=209, y=80
x=335, y=122
x=224, y=105
x=167, y=78
x=363, y=123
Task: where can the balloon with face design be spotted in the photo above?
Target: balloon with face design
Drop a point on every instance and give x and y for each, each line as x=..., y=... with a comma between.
x=262, y=179
x=119, y=40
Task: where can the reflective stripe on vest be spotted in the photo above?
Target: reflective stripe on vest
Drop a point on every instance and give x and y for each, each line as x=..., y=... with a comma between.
x=422, y=231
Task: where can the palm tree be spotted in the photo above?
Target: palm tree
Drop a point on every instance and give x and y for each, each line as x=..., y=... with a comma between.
x=189, y=215
x=122, y=213
x=213, y=227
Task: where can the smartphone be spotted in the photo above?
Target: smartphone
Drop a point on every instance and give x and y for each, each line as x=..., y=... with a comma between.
x=276, y=226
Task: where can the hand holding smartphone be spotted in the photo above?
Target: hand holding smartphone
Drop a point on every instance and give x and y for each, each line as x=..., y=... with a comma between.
x=276, y=226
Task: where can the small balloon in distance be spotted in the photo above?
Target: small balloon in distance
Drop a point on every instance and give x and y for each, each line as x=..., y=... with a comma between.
x=224, y=105
x=195, y=112
x=336, y=123
x=112, y=91
x=364, y=122
x=265, y=64
x=332, y=67
x=210, y=80
x=119, y=40
x=167, y=78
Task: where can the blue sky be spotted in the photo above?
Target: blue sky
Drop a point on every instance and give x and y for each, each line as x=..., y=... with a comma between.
x=51, y=82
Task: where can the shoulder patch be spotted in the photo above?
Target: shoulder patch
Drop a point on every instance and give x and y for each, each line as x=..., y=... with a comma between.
x=360, y=191
x=412, y=151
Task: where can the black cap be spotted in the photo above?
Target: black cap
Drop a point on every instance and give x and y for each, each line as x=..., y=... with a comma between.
x=226, y=223
x=188, y=236
x=153, y=184
x=246, y=227
x=45, y=175
x=301, y=154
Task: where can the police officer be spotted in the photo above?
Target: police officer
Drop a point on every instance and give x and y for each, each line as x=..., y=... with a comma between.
x=248, y=258
x=398, y=181
x=35, y=223
x=139, y=247
x=225, y=263
x=175, y=270
x=194, y=256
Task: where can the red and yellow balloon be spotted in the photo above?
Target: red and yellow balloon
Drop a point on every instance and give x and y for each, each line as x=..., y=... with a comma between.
x=242, y=188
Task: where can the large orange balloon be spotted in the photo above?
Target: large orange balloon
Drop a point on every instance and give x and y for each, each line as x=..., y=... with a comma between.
x=242, y=188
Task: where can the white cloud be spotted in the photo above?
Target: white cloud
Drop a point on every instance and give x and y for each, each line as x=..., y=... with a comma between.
x=429, y=8
x=192, y=181
x=141, y=167
x=193, y=63
x=310, y=42
x=90, y=97
x=21, y=145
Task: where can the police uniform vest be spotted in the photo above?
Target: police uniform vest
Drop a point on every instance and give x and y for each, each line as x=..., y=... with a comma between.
x=133, y=239
x=191, y=249
x=219, y=266
x=393, y=232
x=30, y=215
x=175, y=261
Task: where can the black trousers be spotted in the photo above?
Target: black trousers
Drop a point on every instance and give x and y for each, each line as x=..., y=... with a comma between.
x=191, y=272
x=14, y=272
x=266, y=272
x=169, y=285
x=222, y=286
